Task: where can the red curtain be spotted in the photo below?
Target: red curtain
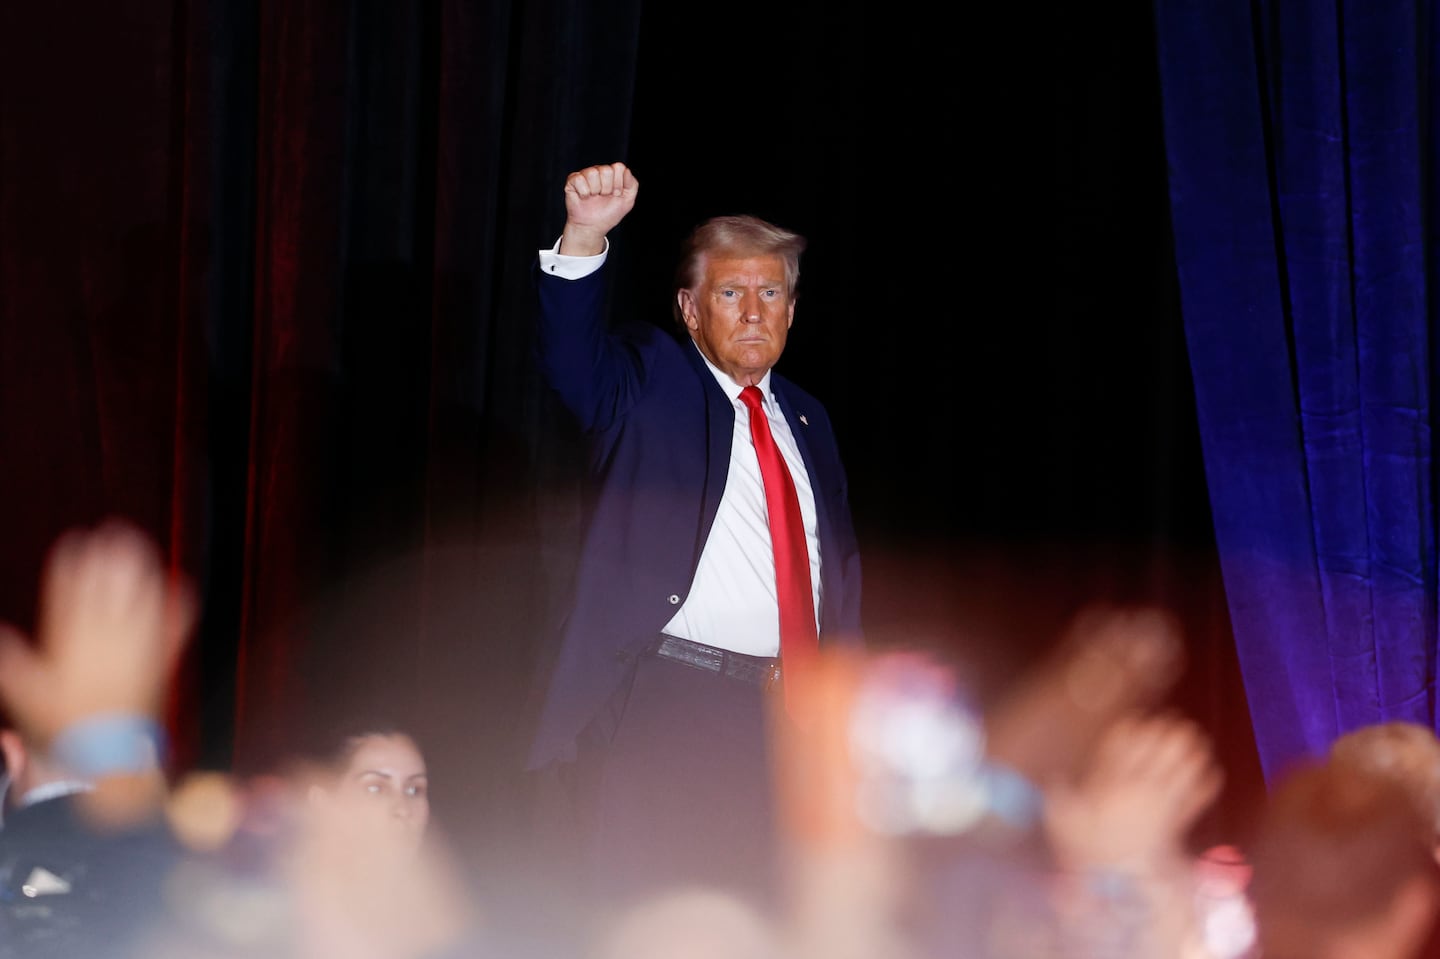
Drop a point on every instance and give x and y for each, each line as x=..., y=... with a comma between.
x=104, y=200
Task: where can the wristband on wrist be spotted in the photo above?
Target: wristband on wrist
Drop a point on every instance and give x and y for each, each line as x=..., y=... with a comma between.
x=110, y=744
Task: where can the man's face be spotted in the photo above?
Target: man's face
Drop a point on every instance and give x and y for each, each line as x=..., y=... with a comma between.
x=740, y=314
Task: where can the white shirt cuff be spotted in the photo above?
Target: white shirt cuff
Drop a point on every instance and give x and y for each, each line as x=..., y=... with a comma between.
x=555, y=263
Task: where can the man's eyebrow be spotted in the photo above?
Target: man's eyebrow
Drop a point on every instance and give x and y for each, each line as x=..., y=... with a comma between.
x=739, y=281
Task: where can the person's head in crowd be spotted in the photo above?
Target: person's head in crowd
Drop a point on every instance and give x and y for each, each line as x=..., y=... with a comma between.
x=370, y=875
x=1343, y=867
x=1406, y=751
x=373, y=776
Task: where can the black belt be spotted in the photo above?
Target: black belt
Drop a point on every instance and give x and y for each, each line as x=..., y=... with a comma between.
x=762, y=671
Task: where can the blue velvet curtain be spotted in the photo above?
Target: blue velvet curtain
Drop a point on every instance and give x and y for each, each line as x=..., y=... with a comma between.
x=1301, y=177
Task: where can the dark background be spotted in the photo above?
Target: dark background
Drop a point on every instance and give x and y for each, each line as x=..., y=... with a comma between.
x=264, y=289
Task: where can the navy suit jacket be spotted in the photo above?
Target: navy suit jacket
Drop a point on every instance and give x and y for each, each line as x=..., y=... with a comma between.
x=660, y=429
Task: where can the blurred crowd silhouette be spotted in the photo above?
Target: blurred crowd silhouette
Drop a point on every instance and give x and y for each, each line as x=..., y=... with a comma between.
x=1057, y=822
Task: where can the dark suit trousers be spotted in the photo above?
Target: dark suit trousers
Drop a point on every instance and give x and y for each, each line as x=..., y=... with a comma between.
x=682, y=793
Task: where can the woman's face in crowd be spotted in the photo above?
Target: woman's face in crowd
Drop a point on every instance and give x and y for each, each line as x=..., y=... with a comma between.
x=385, y=784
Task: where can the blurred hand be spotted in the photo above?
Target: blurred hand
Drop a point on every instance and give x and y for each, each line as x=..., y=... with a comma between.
x=111, y=625
x=1110, y=661
x=1149, y=779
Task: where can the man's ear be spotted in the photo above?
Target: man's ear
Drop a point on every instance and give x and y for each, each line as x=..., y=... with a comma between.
x=691, y=316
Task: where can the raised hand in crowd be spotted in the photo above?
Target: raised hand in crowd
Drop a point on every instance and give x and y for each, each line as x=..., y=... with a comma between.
x=1117, y=833
x=90, y=688
x=1110, y=661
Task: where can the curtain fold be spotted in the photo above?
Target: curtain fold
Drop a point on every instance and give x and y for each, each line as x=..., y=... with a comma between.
x=301, y=176
x=1298, y=181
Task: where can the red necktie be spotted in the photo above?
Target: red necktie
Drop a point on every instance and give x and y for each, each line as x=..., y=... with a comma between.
x=798, y=642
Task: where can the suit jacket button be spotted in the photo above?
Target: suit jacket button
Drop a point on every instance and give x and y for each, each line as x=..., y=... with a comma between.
x=674, y=600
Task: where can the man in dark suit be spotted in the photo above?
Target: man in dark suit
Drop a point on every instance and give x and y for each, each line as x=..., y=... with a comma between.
x=689, y=632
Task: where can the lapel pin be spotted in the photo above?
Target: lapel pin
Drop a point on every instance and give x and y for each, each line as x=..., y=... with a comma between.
x=804, y=420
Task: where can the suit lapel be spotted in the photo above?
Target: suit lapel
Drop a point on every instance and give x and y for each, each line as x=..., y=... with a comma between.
x=720, y=434
x=799, y=424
